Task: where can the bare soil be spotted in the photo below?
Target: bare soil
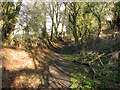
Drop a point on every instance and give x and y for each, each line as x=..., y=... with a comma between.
x=34, y=69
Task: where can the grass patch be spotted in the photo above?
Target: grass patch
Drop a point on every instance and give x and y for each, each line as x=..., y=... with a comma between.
x=81, y=81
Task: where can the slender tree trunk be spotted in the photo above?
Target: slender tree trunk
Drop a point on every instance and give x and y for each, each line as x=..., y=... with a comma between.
x=62, y=29
x=75, y=33
x=44, y=32
x=52, y=17
x=52, y=29
x=73, y=22
x=57, y=22
x=74, y=25
x=99, y=24
x=63, y=22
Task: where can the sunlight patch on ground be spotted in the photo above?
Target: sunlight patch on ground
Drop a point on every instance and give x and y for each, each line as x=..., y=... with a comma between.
x=23, y=69
x=16, y=59
x=28, y=81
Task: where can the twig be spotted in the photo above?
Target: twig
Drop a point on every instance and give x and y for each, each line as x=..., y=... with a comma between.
x=98, y=58
x=113, y=54
x=101, y=62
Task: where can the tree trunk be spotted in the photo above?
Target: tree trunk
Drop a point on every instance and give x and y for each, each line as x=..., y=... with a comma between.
x=63, y=21
x=44, y=32
x=9, y=19
x=52, y=29
x=7, y=31
x=75, y=35
x=72, y=19
x=99, y=24
x=52, y=17
x=56, y=28
x=75, y=30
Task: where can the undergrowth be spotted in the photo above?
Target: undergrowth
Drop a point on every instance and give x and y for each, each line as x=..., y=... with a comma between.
x=104, y=63
x=103, y=58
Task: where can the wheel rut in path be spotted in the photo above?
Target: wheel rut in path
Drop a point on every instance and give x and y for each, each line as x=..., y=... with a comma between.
x=59, y=73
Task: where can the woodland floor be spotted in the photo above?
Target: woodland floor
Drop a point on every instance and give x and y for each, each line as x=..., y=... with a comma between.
x=47, y=69
x=42, y=67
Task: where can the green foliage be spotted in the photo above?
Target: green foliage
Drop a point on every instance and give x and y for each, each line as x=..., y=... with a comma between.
x=106, y=68
x=38, y=77
x=34, y=18
x=74, y=57
x=9, y=17
x=27, y=80
x=81, y=81
x=116, y=11
x=3, y=58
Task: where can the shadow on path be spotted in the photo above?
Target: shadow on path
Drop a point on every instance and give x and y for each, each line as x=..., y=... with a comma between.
x=53, y=74
x=59, y=75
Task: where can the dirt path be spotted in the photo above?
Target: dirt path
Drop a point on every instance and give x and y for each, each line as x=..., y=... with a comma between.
x=59, y=73
x=22, y=72
x=0, y=74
